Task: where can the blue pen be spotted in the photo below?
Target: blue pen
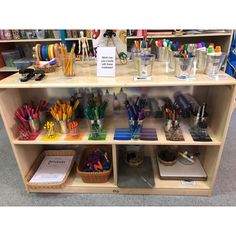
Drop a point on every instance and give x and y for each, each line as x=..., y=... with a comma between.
x=177, y=46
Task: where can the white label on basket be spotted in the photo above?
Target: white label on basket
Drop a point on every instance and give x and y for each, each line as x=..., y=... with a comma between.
x=188, y=182
x=53, y=169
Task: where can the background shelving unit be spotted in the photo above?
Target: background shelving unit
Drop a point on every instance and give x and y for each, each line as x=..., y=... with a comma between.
x=10, y=44
x=218, y=94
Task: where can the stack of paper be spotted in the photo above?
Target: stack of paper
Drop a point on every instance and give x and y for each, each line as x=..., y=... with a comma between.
x=53, y=169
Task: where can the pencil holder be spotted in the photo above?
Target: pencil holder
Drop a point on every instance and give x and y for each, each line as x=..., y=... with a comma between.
x=185, y=67
x=96, y=128
x=213, y=64
x=201, y=57
x=171, y=61
x=162, y=54
x=144, y=64
x=145, y=50
x=63, y=127
x=34, y=125
x=74, y=128
x=171, y=124
x=134, y=155
x=135, y=127
x=195, y=120
x=136, y=58
x=68, y=66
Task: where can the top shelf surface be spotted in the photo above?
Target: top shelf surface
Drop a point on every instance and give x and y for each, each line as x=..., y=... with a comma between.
x=124, y=78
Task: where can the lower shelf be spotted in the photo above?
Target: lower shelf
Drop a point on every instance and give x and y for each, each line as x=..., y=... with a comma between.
x=165, y=187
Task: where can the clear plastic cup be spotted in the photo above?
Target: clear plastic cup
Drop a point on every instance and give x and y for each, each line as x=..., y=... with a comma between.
x=201, y=57
x=68, y=66
x=213, y=65
x=63, y=127
x=162, y=54
x=184, y=67
x=144, y=64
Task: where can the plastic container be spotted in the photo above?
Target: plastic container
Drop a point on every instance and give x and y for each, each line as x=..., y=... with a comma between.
x=135, y=128
x=184, y=67
x=40, y=34
x=162, y=54
x=68, y=66
x=23, y=63
x=10, y=56
x=57, y=34
x=213, y=65
x=201, y=57
x=63, y=127
x=171, y=61
x=144, y=64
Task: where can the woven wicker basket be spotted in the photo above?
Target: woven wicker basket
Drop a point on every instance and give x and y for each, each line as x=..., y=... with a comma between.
x=94, y=177
x=37, y=163
x=46, y=69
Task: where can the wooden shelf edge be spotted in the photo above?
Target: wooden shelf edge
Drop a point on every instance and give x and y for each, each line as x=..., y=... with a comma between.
x=72, y=39
x=29, y=40
x=114, y=189
x=8, y=69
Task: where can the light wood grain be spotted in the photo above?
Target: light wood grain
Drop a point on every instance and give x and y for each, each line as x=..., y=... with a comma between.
x=161, y=186
x=114, y=122
x=29, y=40
x=86, y=77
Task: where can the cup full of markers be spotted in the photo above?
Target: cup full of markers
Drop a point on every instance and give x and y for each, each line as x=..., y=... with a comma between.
x=62, y=112
x=143, y=59
x=136, y=116
x=28, y=116
x=95, y=113
x=162, y=50
x=185, y=66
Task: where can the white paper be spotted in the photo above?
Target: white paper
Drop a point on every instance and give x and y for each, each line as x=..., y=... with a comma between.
x=137, y=78
x=52, y=169
x=106, y=63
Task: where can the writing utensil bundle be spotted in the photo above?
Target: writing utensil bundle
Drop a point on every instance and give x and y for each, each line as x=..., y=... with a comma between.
x=136, y=110
x=170, y=110
x=62, y=111
x=144, y=43
x=27, y=112
x=95, y=110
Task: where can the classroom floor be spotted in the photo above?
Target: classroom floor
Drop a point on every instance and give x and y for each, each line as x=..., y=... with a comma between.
x=13, y=193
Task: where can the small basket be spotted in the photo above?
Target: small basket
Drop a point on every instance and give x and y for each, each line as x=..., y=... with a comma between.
x=94, y=177
x=37, y=163
x=46, y=69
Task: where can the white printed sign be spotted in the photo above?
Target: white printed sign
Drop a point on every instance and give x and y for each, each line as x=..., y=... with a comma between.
x=106, y=63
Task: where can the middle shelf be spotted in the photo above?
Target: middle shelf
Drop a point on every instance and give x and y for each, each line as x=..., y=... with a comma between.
x=120, y=121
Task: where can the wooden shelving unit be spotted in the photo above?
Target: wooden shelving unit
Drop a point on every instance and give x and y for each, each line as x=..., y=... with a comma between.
x=74, y=39
x=8, y=69
x=30, y=40
x=200, y=35
x=218, y=94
